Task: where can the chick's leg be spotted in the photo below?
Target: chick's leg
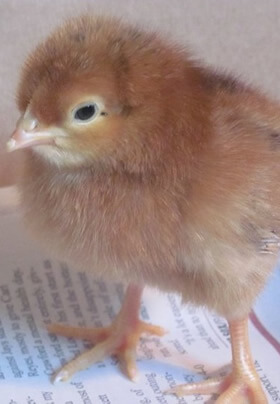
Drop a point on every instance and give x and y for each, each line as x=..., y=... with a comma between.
x=120, y=338
x=242, y=384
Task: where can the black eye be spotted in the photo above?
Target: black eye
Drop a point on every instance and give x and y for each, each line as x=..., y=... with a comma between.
x=85, y=113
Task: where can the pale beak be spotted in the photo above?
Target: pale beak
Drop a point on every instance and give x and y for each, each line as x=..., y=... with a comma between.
x=27, y=135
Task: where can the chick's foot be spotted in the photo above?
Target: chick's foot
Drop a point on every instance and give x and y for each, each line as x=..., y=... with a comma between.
x=120, y=339
x=232, y=390
x=242, y=385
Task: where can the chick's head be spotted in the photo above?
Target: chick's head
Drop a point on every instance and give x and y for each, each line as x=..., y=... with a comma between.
x=98, y=90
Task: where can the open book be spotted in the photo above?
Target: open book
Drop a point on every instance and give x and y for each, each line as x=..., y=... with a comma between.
x=36, y=289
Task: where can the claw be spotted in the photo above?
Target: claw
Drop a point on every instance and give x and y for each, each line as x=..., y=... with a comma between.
x=128, y=364
x=61, y=376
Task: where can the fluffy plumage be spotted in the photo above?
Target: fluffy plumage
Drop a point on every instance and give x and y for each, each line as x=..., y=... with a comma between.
x=174, y=184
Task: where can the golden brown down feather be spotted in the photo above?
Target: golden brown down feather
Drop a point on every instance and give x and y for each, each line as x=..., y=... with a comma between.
x=177, y=186
x=142, y=165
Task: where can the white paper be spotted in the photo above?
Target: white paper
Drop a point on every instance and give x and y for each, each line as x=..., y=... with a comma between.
x=35, y=290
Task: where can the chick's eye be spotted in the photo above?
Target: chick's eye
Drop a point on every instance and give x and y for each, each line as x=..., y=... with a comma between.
x=85, y=113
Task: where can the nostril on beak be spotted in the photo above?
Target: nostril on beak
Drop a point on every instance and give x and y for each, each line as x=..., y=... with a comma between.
x=29, y=124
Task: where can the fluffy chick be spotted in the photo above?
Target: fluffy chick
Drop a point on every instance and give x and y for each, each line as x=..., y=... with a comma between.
x=143, y=166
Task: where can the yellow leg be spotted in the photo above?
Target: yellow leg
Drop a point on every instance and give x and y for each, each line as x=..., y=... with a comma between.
x=120, y=338
x=243, y=384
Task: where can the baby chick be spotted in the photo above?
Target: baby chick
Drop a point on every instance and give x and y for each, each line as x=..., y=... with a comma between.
x=143, y=166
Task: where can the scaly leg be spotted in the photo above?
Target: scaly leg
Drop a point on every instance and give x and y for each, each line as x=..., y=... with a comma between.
x=242, y=384
x=120, y=338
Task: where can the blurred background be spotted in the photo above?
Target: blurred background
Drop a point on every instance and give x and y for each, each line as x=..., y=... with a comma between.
x=240, y=36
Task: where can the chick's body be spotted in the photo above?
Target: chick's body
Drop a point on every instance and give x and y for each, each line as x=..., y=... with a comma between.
x=160, y=233
x=176, y=184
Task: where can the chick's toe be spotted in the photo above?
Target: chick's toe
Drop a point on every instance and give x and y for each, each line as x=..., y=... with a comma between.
x=242, y=385
x=120, y=339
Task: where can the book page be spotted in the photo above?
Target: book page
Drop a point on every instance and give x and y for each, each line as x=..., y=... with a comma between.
x=36, y=290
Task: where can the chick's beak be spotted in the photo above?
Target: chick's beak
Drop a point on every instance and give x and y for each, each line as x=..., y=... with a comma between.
x=27, y=134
